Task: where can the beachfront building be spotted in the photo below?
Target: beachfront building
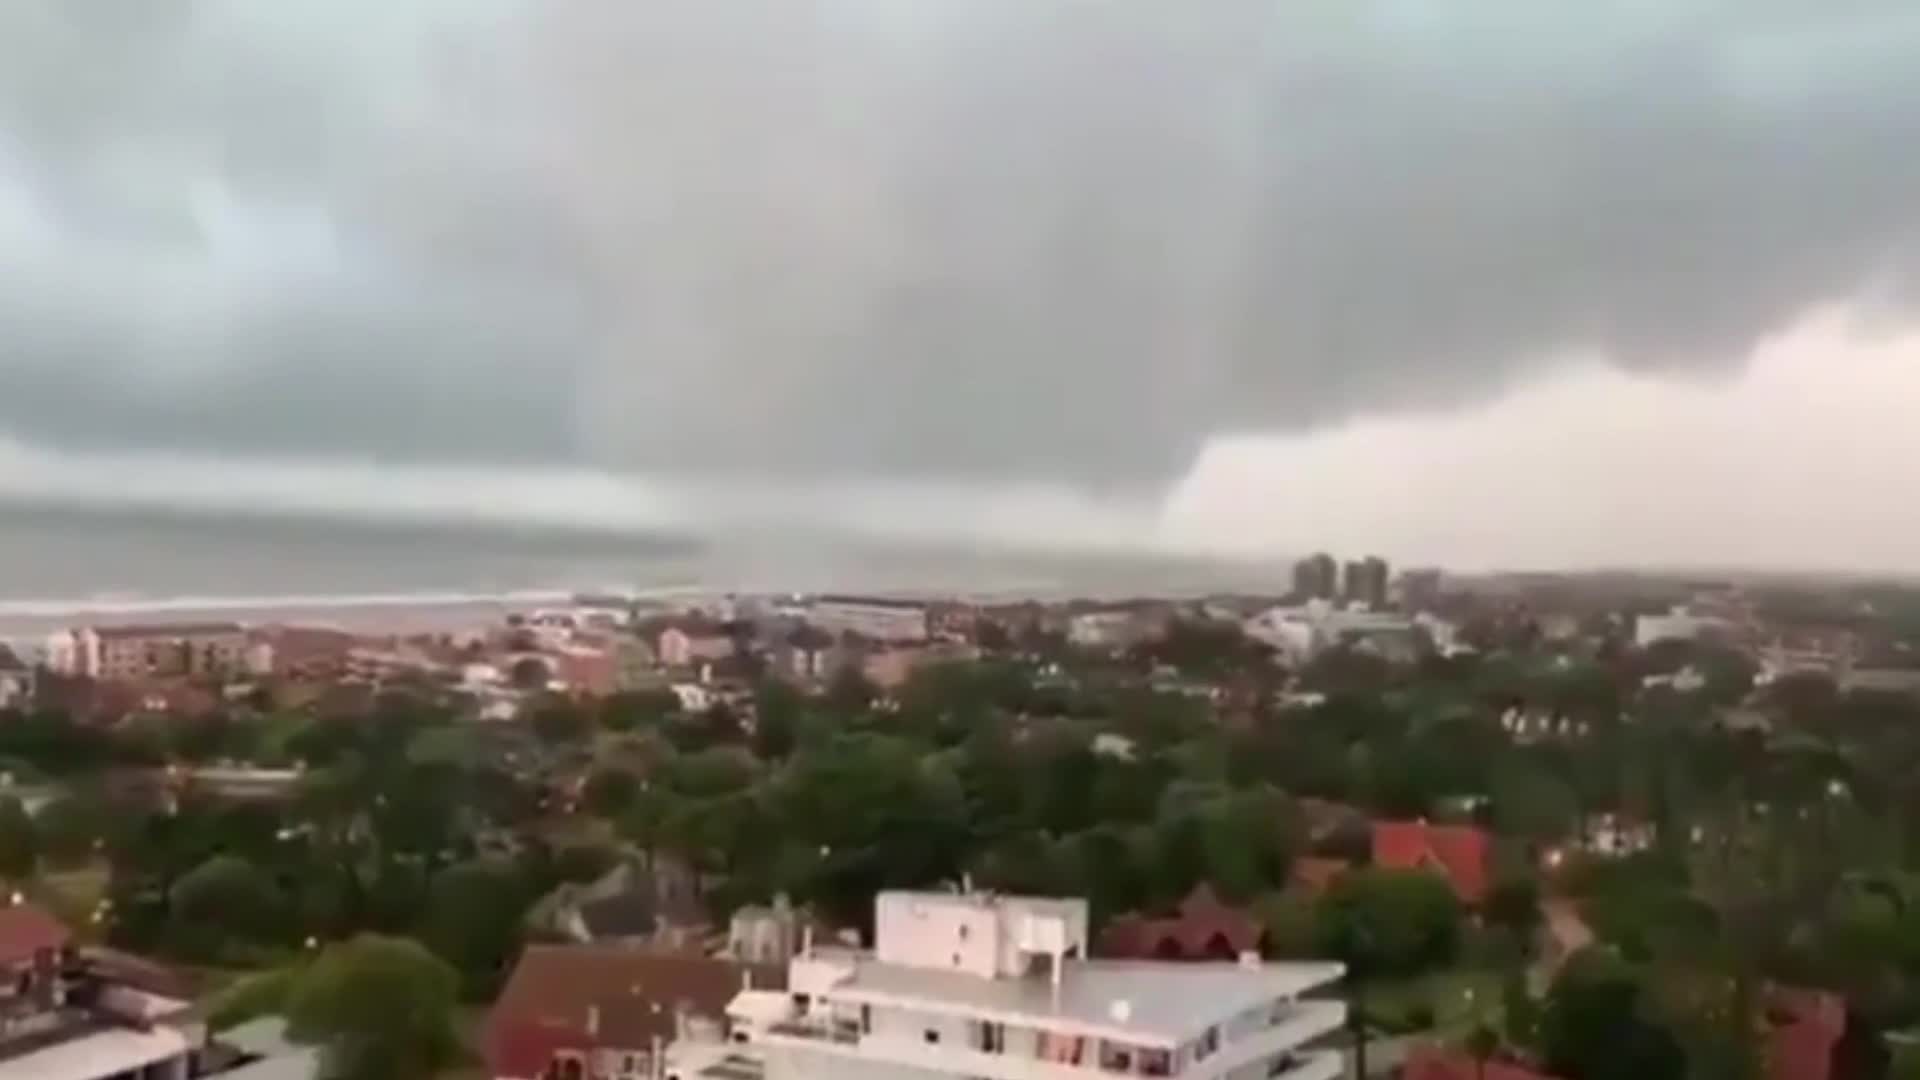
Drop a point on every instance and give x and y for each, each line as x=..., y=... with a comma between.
x=170, y=650
x=999, y=987
x=871, y=617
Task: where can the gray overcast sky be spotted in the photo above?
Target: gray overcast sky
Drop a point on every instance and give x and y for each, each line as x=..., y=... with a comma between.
x=887, y=246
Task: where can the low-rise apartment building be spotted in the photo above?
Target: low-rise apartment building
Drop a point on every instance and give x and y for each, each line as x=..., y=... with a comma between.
x=870, y=617
x=999, y=988
x=126, y=653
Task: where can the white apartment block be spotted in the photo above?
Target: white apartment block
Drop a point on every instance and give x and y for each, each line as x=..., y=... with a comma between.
x=874, y=618
x=1677, y=625
x=1000, y=988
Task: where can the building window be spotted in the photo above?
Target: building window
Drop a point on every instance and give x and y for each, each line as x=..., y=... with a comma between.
x=932, y=1036
x=866, y=1019
x=993, y=1038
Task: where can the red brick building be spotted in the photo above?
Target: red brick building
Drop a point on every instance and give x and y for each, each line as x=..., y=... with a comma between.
x=585, y=1012
x=1202, y=928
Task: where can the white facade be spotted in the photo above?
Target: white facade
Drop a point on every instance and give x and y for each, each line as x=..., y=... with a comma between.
x=1104, y=629
x=16, y=687
x=678, y=648
x=874, y=619
x=1677, y=625
x=73, y=652
x=998, y=988
x=693, y=697
x=1301, y=633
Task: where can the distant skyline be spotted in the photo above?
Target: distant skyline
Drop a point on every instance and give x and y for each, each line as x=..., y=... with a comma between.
x=1487, y=285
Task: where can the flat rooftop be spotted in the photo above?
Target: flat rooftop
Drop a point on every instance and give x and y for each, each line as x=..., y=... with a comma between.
x=1154, y=1002
x=90, y=1057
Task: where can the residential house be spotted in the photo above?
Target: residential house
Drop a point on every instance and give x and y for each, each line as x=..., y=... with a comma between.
x=16, y=680
x=241, y=783
x=999, y=987
x=1202, y=928
x=574, y=1012
x=1881, y=680
x=693, y=697
x=1532, y=725
x=889, y=667
x=1680, y=624
x=65, y=1015
x=1803, y=1027
x=1460, y=853
x=308, y=654
x=629, y=905
x=1301, y=633
x=579, y=669
x=1115, y=628
x=1614, y=836
x=692, y=640
x=806, y=654
x=765, y=934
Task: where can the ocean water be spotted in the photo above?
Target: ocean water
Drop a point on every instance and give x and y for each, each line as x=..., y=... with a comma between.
x=59, y=565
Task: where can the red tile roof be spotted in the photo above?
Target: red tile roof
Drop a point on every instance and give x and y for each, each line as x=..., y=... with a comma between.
x=26, y=930
x=582, y=998
x=1806, y=1025
x=1436, y=1063
x=1203, y=928
x=1461, y=852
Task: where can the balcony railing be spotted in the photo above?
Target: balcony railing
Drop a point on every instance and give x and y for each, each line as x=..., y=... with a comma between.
x=1297, y=1024
x=835, y=1032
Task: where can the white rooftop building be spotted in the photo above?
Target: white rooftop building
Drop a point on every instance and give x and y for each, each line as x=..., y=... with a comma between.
x=1300, y=633
x=975, y=985
x=1679, y=624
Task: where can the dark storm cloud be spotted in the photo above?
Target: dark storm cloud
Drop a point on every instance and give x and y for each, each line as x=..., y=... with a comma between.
x=1002, y=239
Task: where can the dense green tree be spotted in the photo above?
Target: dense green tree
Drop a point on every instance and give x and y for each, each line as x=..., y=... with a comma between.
x=610, y=792
x=225, y=899
x=558, y=720
x=72, y=824
x=1289, y=923
x=631, y=710
x=1597, y=1024
x=530, y=673
x=380, y=1008
x=19, y=842
x=1513, y=905
x=1386, y=922
x=779, y=711
x=472, y=920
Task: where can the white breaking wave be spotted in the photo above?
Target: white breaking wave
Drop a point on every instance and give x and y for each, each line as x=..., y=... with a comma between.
x=123, y=604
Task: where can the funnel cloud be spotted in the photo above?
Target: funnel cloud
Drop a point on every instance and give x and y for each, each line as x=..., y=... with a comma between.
x=999, y=241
